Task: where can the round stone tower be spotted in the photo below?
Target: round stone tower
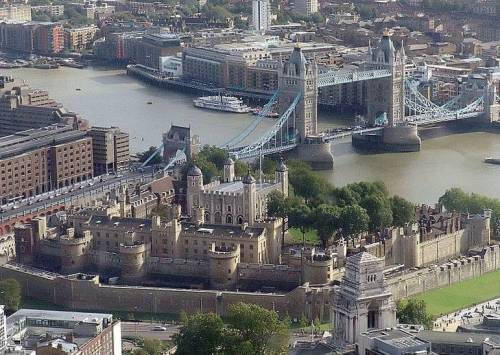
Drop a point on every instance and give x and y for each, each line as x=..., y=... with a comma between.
x=281, y=176
x=74, y=251
x=133, y=262
x=223, y=266
x=318, y=269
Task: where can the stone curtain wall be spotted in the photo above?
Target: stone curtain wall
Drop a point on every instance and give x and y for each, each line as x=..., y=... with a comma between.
x=415, y=282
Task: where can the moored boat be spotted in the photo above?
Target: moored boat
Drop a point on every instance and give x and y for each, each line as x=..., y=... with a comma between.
x=222, y=103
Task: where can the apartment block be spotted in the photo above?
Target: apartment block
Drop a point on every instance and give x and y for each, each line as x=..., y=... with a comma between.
x=32, y=37
x=16, y=12
x=77, y=39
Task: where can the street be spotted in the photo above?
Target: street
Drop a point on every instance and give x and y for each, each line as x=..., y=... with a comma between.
x=146, y=330
x=55, y=198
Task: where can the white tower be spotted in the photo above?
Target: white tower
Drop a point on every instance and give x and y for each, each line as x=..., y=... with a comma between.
x=261, y=15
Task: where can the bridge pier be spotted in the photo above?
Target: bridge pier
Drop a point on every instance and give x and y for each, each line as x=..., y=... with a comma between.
x=392, y=139
x=316, y=152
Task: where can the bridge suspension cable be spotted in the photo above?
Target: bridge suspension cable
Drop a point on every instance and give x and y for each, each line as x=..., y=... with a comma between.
x=253, y=125
x=274, y=144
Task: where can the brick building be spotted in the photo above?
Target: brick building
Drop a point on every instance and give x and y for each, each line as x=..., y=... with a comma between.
x=32, y=37
x=77, y=39
x=38, y=160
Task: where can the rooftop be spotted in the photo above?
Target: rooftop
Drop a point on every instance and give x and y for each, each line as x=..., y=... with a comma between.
x=24, y=141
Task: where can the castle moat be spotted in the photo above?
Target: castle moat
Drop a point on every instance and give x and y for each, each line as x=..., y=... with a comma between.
x=110, y=97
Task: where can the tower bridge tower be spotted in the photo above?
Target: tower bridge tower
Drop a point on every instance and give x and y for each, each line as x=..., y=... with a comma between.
x=297, y=76
x=386, y=96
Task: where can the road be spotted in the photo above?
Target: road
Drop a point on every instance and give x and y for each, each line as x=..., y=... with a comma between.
x=70, y=193
x=145, y=330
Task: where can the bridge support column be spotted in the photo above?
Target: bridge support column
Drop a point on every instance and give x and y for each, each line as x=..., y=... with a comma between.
x=316, y=152
x=401, y=139
x=491, y=113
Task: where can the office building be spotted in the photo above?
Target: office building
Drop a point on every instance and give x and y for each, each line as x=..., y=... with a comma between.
x=59, y=332
x=39, y=160
x=111, y=149
x=51, y=10
x=261, y=15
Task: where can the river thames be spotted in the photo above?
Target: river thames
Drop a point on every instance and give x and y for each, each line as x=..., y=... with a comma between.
x=110, y=97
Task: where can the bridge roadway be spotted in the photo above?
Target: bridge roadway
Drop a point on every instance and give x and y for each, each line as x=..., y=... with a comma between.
x=40, y=202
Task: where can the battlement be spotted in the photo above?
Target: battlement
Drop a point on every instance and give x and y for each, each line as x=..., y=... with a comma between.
x=223, y=252
x=133, y=249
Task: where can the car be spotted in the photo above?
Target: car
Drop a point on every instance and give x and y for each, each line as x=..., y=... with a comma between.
x=159, y=328
x=81, y=187
x=2, y=210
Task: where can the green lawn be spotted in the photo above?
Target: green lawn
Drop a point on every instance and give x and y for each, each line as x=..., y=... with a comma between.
x=461, y=295
x=296, y=237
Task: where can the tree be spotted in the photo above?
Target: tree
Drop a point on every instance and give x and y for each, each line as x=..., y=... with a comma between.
x=403, y=211
x=10, y=294
x=259, y=327
x=299, y=216
x=277, y=204
x=202, y=334
x=326, y=221
x=379, y=210
x=413, y=311
x=306, y=183
x=353, y=220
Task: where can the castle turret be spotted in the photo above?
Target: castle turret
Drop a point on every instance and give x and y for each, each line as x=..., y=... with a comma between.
x=224, y=266
x=228, y=170
x=194, y=188
x=318, y=269
x=74, y=251
x=281, y=176
x=133, y=260
x=249, y=198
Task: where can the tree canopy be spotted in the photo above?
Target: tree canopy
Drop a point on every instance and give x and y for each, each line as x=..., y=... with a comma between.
x=250, y=329
x=455, y=199
x=413, y=311
x=10, y=294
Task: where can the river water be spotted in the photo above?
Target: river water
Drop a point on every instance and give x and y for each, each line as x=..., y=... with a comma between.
x=110, y=97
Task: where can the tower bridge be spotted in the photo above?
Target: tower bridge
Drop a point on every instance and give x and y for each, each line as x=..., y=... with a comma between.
x=393, y=104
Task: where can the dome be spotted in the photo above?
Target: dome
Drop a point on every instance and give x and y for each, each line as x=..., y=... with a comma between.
x=194, y=171
x=249, y=179
x=228, y=161
x=281, y=167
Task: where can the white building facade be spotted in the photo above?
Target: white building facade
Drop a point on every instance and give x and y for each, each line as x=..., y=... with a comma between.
x=261, y=15
x=306, y=7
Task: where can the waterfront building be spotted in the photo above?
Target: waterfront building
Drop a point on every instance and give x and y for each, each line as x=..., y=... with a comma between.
x=60, y=332
x=111, y=149
x=23, y=108
x=15, y=12
x=39, y=160
x=32, y=37
x=306, y=7
x=152, y=47
x=77, y=39
x=171, y=66
x=261, y=15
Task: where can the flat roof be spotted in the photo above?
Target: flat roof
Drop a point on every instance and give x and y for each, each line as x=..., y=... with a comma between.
x=86, y=317
x=457, y=338
x=24, y=141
